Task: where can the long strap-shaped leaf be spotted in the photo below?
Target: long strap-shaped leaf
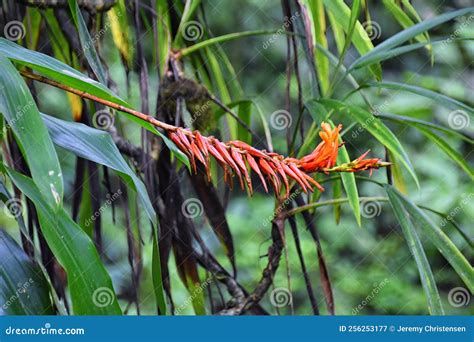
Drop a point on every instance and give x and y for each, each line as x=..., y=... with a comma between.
x=444, y=244
x=23, y=288
x=22, y=115
x=96, y=145
x=416, y=249
x=90, y=286
x=408, y=34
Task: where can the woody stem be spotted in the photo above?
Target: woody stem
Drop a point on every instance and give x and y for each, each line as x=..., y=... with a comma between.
x=86, y=95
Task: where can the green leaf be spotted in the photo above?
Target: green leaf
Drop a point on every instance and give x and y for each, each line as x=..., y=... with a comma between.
x=157, y=275
x=410, y=33
x=377, y=129
x=349, y=182
x=315, y=23
x=119, y=26
x=97, y=146
x=337, y=31
x=23, y=288
x=451, y=152
x=406, y=119
x=57, y=71
x=416, y=249
x=440, y=98
x=442, y=242
x=189, y=9
x=403, y=19
x=86, y=42
x=22, y=115
x=245, y=113
x=89, y=283
x=163, y=35
x=350, y=186
x=225, y=38
x=384, y=55
x=360, y=38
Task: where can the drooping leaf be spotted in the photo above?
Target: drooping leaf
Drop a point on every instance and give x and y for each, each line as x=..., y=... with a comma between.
x=22, y=116
x=23, y=288
x=97, y=146
x=442, y=99
x=416, y=249
x=451, y=152
x=117, y=19
x=315, y=26
x=360, y=38
x=89, y=283
x=407, y=34
x=412, y=121
x=87, y=43
x=404, y=19
x=436, y=236
x=56, y=70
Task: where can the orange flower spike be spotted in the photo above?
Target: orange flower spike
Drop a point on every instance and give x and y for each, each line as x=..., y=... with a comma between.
x=253, y=165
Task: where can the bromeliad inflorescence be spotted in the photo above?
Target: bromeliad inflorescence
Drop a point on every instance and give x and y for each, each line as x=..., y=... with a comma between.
x=237, y=158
